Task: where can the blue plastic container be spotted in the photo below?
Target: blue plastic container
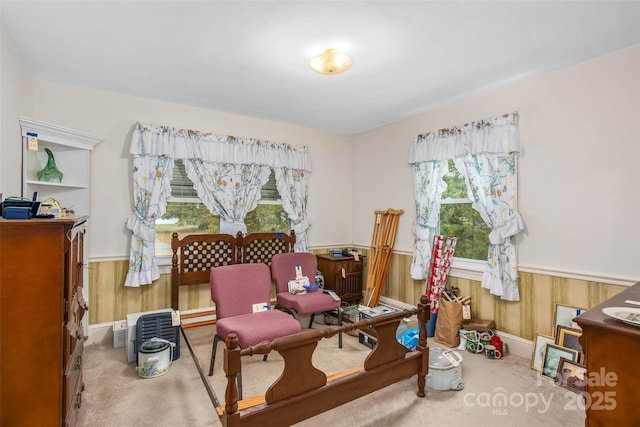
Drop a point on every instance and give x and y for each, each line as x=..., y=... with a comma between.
x=410, y=338
x=431, y=325
x=16, y=212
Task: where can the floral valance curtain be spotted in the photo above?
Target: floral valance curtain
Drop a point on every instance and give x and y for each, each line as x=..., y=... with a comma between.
x=484, y=155
x=227, y=172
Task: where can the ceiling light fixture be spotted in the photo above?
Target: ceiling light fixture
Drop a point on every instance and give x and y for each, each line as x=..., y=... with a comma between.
x=330, y=62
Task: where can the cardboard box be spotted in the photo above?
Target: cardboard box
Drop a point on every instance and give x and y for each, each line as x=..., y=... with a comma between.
x=369, y=312
x=478, y=325
x=367, y=340
x=351, y=314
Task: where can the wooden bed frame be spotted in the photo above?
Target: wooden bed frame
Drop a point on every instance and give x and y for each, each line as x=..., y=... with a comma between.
x=287, y=400
x=195, y=255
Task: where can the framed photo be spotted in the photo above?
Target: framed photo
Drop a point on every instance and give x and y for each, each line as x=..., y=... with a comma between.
x=564, y=316
x=539, y=344
x=568, y=337
x=551, y=360
x=571, y=375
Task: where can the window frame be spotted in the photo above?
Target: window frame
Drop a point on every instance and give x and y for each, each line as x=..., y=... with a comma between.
x=464, y=268
x=164, y=261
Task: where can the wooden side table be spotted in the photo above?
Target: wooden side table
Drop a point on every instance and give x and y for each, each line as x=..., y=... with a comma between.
x=343, y=275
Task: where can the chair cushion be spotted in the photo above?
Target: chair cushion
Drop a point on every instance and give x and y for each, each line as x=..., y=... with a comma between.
x=253, y=328
x=312, y=302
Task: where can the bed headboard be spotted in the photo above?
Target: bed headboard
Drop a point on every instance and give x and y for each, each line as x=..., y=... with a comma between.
x=260, y=247
x=195, y=255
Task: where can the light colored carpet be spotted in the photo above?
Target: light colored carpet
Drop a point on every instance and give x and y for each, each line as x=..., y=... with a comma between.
x=502, y=392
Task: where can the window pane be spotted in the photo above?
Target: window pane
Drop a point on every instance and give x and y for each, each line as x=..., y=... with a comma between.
x=268, y=218
x=190, y=216
x=181, y=185
x=456, y=187
x=183, y=218
x=460, y=220
x=270, y=189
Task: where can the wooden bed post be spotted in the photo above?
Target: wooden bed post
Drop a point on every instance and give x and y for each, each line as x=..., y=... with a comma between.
x=423, y=317
x=174, y=272
x=231, y=416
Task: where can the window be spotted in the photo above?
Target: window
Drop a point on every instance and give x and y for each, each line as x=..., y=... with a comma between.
x=186, y=214
x=458, y=219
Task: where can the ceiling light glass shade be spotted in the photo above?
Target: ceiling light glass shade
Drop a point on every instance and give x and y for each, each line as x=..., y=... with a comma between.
x=330, y=62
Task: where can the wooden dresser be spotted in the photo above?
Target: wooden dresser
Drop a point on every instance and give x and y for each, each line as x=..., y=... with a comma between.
x=41, y=308
x=342, y=274
x=612, y=351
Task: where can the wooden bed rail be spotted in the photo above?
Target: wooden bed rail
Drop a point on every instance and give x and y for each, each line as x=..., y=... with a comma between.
x=288, y=399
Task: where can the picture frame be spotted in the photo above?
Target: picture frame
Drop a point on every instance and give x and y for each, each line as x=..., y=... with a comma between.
x=569, y=337
x=552, y=355
x=564, y=315
x=572, y=376
x=537, y=355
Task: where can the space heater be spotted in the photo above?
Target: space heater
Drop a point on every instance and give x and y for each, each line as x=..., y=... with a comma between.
x=157, y=325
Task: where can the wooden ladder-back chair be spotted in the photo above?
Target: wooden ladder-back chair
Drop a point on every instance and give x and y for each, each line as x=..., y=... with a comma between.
x=193, y=258
x=260, y=247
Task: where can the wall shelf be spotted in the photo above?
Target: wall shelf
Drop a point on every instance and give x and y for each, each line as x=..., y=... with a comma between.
x=54, y=184
x=70, y=149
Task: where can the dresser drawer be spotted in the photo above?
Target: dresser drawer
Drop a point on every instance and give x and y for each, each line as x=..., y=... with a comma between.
x=339, y=264
x=73, y=385
x=348, y=267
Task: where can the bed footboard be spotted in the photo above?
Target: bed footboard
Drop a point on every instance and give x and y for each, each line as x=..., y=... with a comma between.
x=286, y=401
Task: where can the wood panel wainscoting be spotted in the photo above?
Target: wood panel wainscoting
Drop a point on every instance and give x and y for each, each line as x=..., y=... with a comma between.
x=539, y=293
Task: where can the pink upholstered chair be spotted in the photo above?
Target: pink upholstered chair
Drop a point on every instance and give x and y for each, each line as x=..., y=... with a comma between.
x=234, y=290
x=283, y=269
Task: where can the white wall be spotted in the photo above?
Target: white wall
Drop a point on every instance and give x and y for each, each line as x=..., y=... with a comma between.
x=113, y=116
x=579, y=127
x=16, y=98
x=578, y=172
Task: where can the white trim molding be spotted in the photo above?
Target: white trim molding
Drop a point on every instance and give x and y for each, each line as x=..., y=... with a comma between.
x=460, y=267
x=580, y=275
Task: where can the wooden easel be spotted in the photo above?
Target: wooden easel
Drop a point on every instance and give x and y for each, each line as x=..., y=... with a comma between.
x=385, y=229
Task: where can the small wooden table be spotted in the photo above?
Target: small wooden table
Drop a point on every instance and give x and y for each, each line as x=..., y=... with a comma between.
x=612, y=351
x=342, y=274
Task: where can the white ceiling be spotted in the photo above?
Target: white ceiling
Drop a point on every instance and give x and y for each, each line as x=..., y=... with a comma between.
x=250, y=58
